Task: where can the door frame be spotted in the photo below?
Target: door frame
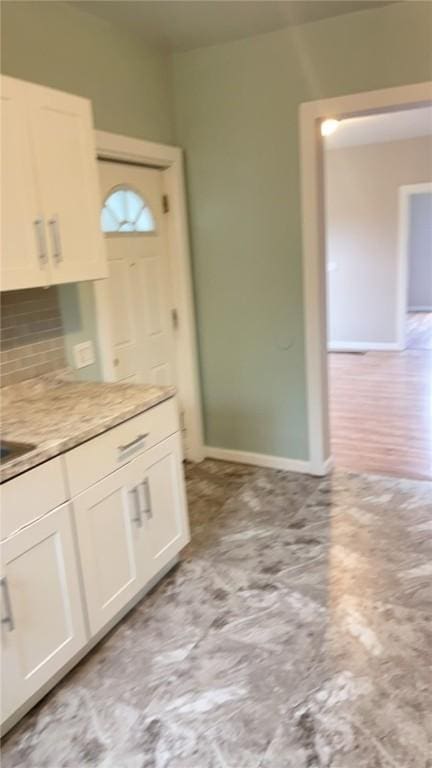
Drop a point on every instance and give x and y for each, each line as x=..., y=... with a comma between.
x=405, y=193
x=313, y=238
x=169, y=160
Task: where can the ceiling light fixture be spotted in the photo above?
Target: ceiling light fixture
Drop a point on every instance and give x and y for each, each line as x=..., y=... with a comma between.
x=329, y=126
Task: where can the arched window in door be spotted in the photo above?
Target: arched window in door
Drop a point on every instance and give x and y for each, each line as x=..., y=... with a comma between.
x=124, y=210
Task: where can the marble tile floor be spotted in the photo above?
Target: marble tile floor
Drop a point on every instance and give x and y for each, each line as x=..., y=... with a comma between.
x=295, y=633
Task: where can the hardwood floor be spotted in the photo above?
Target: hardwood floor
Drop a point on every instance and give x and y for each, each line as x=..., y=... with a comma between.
x=419, y=330
x=381, y=407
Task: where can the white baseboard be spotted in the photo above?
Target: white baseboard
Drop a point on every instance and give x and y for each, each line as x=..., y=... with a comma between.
x=419, y=309
x=364, y=346
x=326, y=467
x=258, y=459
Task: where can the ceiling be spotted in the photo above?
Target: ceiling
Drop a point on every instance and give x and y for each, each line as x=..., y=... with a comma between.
x=375, y=129
x=179, y=25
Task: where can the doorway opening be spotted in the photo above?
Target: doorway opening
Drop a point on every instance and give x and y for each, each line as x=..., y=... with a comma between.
x=378, y=169
x=355, y=347
x=416, y=227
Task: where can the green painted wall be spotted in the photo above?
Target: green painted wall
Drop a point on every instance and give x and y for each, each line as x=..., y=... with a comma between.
x=55, y=44
x=236, y=110
x=130, y=86
x=236, y=115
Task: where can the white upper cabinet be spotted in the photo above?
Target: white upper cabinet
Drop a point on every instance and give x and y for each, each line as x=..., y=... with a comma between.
x=62, y=132
x=24, y=256
x=50, y=189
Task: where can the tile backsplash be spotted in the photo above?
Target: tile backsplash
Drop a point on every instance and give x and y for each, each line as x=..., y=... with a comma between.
x=31, y=334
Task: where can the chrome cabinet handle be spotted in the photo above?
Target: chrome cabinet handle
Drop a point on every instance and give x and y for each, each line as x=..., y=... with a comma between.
x=53, y=223
x=8, y=618
x=145, y=485
x=137, y=519
x=40, y=240
x=127, y=446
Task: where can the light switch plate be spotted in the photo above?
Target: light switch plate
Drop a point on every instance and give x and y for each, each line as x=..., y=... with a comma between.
x=83, y=354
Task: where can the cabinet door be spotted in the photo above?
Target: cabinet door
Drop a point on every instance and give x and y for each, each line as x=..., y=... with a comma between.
x=107, y=524
x=158, y=476
x=23, y=239
x=65, y=153
x=42, y=615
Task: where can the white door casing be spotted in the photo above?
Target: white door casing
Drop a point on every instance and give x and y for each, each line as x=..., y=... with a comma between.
x=313, y=238
x=405, y=193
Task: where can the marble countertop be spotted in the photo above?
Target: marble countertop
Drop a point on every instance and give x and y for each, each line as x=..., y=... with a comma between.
x=55, y=414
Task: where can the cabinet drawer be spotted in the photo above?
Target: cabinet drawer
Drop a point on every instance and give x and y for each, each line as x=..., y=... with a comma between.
x=29, y=496
x=97, y=458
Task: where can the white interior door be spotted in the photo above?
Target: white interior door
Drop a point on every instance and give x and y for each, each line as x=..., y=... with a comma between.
x=139, y=278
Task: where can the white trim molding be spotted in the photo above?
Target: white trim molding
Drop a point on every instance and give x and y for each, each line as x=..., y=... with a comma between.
x=110, y=146
x=313, y=237
x=405, y=193
x=365, y=346
x=327, y=467
x=258, y=460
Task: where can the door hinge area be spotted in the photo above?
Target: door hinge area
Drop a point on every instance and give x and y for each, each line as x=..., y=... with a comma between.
x=165, y=203
x=174, y=319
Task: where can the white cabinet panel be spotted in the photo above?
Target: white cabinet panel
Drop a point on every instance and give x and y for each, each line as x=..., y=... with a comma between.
x=107, y=535
x=31, y=495
x=158, y=476
x=65, y=155
x=24, y=258
x=42, y=619
x=49, y=188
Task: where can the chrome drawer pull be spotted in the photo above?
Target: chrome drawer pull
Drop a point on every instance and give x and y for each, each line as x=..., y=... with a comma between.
x=56, y=242
x=137, y=519
x=41, y=242
x=145, y=485
x=8, y=619
x=128, y=446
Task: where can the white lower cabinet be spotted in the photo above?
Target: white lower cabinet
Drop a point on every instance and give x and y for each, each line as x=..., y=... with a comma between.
x=129, y=526
x=42, y=615
x=108, y=542
x=69, y=568
x=160, y=488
